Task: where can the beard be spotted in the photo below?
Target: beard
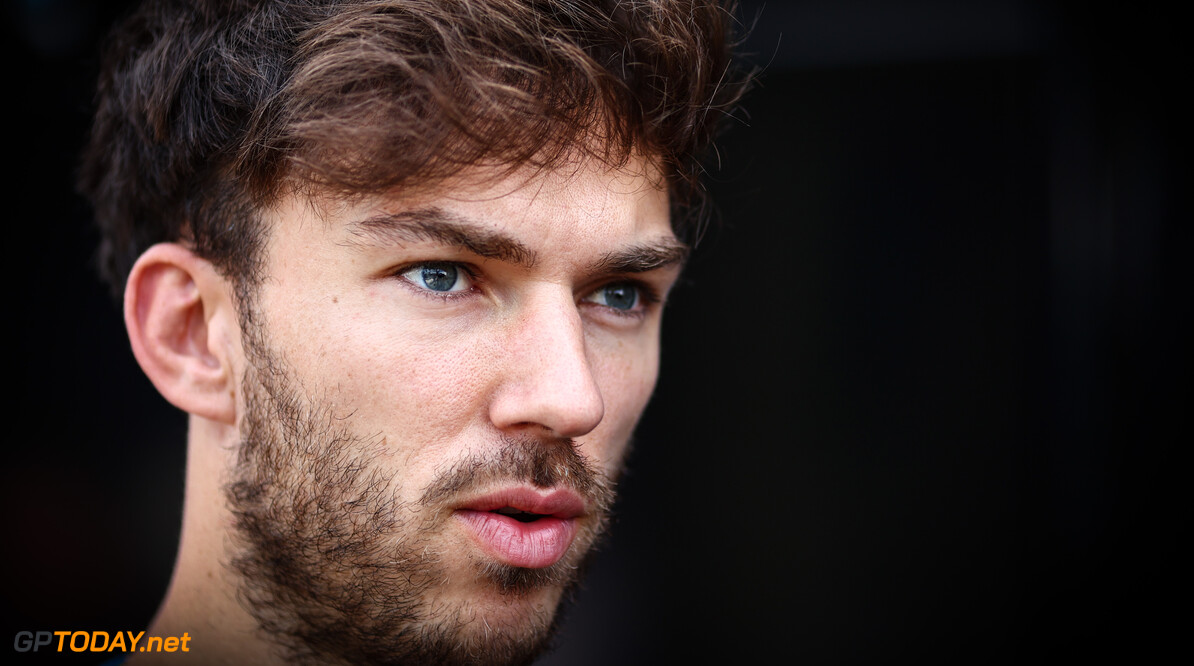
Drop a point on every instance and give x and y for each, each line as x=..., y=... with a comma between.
x=335, y=566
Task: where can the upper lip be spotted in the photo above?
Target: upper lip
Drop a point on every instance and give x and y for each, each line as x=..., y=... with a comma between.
x=556, y=502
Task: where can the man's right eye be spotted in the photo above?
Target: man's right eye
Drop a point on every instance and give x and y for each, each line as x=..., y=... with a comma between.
x=440, y=277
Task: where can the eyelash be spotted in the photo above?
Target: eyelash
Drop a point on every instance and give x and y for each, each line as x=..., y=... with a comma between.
x=648, y=294
x=443, y=296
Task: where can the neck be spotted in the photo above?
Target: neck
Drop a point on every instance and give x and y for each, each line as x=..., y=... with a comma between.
x=201, y=601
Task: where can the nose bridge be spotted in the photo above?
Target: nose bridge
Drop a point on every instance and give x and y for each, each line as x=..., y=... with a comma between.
x=548, y=379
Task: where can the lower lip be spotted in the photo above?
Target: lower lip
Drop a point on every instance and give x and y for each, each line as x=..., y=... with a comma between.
x=534, y=545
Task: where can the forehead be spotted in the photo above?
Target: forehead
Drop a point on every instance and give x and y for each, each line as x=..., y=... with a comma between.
x=580, y=207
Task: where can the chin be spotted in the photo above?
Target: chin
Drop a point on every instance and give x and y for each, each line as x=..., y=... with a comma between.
x=496, y=628
x=509, y=597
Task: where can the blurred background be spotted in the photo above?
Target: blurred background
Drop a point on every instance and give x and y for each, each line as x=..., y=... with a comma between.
x=924, y=386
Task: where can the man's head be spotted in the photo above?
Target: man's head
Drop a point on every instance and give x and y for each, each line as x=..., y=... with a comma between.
x=404, y=264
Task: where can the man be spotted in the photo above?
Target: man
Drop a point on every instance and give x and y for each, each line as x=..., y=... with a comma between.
x=403, y=264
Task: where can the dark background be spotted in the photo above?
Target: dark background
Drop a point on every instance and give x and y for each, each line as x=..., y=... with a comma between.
x=924, y=391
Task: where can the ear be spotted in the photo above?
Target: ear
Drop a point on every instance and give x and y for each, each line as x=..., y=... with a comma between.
x=184, y=331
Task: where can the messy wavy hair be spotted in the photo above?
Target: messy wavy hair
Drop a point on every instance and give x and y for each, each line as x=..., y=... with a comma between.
x=210, y=110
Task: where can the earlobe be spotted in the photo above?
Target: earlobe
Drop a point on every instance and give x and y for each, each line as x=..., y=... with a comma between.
x=179, y=316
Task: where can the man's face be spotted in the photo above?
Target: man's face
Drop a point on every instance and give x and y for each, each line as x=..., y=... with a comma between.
x=438, y=392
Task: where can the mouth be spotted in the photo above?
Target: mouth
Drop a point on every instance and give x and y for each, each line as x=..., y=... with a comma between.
x=520, y=515
x=523, y=527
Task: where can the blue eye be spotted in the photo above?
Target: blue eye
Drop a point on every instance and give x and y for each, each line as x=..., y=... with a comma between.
x=441, y=277
x=619, y=296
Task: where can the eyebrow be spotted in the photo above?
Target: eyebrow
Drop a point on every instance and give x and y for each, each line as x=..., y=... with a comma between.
x=642, y=257
x=440, y=226
x=437, y=225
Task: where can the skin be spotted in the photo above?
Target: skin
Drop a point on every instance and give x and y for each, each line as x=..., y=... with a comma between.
x=527, y=346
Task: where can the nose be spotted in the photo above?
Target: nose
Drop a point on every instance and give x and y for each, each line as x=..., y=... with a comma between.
x=547, y=379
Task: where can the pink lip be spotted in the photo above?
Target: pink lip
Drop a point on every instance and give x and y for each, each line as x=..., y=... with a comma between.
x=530, y=545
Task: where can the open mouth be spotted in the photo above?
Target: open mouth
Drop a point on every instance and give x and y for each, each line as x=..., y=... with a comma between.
x=523, y=527
x=520, y=515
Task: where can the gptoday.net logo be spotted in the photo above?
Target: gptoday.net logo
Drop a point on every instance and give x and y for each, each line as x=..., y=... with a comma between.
x=98, y=641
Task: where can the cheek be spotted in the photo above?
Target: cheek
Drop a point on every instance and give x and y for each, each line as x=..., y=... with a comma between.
x=410, y=382
x=626, y=373
x=420, y=388
x=423, y=389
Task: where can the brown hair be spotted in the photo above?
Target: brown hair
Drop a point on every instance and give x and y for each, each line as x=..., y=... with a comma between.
x=208, y=110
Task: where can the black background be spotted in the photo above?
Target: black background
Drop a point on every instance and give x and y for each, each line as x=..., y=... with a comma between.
x=924, y=390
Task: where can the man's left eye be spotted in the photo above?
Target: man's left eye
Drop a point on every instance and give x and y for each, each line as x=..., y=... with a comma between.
x=619, y=296
x=441, y=277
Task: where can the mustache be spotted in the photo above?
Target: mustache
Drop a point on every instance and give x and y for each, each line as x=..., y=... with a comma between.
x=544, y=462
